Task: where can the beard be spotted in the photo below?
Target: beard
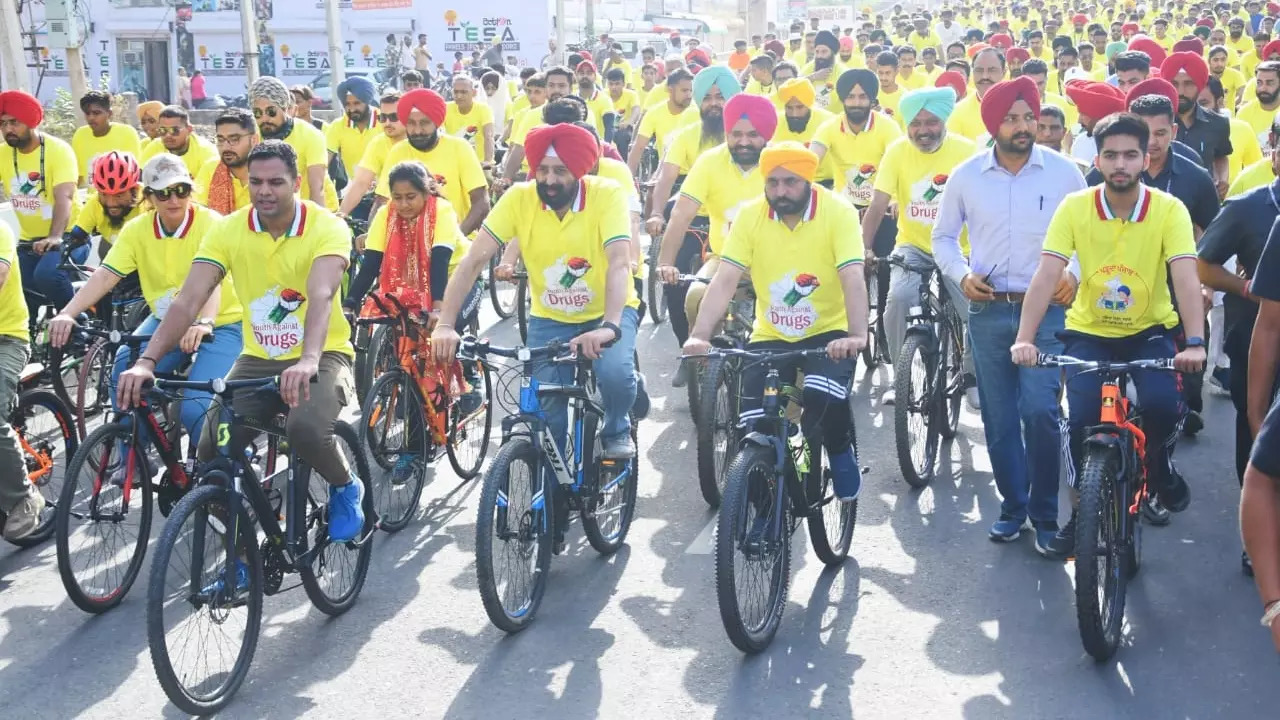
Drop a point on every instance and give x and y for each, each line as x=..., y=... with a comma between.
x=856, y=115
x=1121, y=183
x=712, y=126
x=424, y=142
x=1186, y=105
x=785, y=206
x=279, y=133
x=1019, y=144
x=556, y=197
x=15, y=140
x=358, y=116
x=745, y=156
x=1266, y=98
x=233, y=160
x=798, y=124
x=115, y=216
x=823, y=63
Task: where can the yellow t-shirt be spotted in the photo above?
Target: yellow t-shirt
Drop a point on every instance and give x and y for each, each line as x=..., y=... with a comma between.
x=88, y=147
x=309, y=144
x=853, y=158
x=519, y=105
x=966, y=119
x=599, y=105
x=271, y=275
x=349, y=141
x=1252, y=176
x=1124, y=276
x=796, y=273
x=531, y=119
x=755, y=88
x=1232, y=82
x=452, y=162
x=1248, y=65
x=1253, y=114
x=685, y=146
x=446, y=232
x=13, y=307
x=654, y=95
x=205, y=177
x=163, y=260
x=623, y=104
x=1245, y=149
x=374, y=158
x=920, y=42
x=469, y=127
x=93, y=221
x=916, y=180
x=617, y=171
x=916, y=81
x=199, y=151
x=722, y=188
x=566, y=257
x=30, y=189
x=888, y=102
x=659, y=123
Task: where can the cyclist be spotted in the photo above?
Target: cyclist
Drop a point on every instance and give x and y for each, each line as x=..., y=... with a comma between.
x=575, y=241
x=559, y=84
x=348, y=137
x=857, y=142
x=177, y=138
x=274, y=107
x=1131, y=240
x=799, y=119
x=627, y=104
x=222, y=185
x=913, y=175
x=159, y=245
x=287, y=258
x=807, y=272
x=470, y=120
x=39, y=176
x=534, y=96
x=149, y=121
x=115, y=183
x=723, y=180
x=370, y=165
x=99, y=135
x=20, y=501
x=988, y=69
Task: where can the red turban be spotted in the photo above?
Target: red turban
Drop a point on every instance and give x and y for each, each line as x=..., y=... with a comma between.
x=755, y=109
x=427, y=102
x=575, y=146
x=1269, y=48
x=1000, y=40
x=1079, y=19
x=1130, y=28
x=846, y=42
x=954, y=80
x=1095, y=99
x=1151, y=48
x=777, y=48
x=1002, y=96
x=1193, y=64
x=1189, y=45
x=1153, y=86
x=699, y=56
x=586, y=64
x=1273, y=9
x=1017, y=54
x=1205, y=22
x=22, y=106
x=1004, y=23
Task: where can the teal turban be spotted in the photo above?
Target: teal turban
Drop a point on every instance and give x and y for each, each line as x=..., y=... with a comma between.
x=939, y=101
x=718, y=75
x=1115, y=48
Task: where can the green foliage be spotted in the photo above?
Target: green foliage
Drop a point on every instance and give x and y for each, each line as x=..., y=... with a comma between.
x=62, y=116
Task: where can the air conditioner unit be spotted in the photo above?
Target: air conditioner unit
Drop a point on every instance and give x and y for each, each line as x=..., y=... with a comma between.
x=131, y=59
x=61, y=24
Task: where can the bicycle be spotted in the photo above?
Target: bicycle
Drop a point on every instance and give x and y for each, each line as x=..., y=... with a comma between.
x=504, y=294
x=531, y=486
x=929, y=381
x=1112, y=489
x=414, y=409
x=216, y=523
x=876, y=351
x=92, y=387
x=47, y=439
x=776, y=479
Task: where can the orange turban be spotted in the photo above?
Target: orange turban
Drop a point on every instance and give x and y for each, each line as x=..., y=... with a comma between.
x=791, y=156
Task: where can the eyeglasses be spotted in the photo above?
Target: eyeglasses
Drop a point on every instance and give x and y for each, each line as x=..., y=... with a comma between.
x=179, y=191
x=173, y=131
x=388, y=117
x=229, y=139
x=271, y=112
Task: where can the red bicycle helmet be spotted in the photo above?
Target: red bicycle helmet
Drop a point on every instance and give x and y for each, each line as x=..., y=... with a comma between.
x=116, y=172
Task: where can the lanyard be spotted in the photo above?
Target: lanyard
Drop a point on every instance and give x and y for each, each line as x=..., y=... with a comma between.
x=43, y=185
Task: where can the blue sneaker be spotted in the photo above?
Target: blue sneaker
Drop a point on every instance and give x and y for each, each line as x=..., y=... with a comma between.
x=346, y=511
x=219, y=585
x=1007, y=528
x=405, y=468
x=846, y=476
x=1046, y=531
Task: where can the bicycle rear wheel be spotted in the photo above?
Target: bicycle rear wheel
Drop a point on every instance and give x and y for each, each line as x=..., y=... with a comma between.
x=915, y=429
x=717, y=428
x=47, y=440
x=379, y=357
x=501, y=292
x=64, y=373
x=951, y=376
x=513, y=537
x=610, y=502
x=872, y=350
x=393, y=430
x=203, y=633
x=831, y=524
x=1100, y=565
x=94, y=386
x=337, y=570
x=753, y=551
x=470, y=422
x=101, y=536
x=654, y=287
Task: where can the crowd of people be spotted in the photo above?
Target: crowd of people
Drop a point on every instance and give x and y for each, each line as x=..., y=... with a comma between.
x=1094, y=179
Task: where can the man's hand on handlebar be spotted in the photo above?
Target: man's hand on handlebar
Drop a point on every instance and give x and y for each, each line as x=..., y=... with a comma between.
x=669, y=274
x=1025, y=354
x=696, y=346
x=444, y=343
x=60, y=328
x=40, y=247
x=295, y=381
x=653, y=226
x=592, y=343
x=504, y=272
x=846, y=347
x=132, y=381
x=1190, y=360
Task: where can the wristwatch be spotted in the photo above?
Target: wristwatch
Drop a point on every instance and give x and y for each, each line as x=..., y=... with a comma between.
x=207, y=322
x=1195, y=342
x=617, y=331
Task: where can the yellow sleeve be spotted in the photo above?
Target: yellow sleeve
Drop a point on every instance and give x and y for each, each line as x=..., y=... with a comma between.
x=311, y=151
x=200, y=193
x=501, y=220
x=847, y=247
x=1177, y=235
x=61, y=163
x=122, y=258
x=887, y=175
x=383, y=188
x=615, y=220
x=739, y=247
x=333, y=136
x=89, y=218
x=697, y=184
x=377, y=237
x=486, y=114
x=446, y=229
x=1059, y=238
x=332, y=235
x=374, y=153
x=214, y=247
x=472, y=173
x=648, y=124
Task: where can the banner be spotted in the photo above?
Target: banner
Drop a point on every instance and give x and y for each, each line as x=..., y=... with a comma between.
x=829, y=14
x=466, y=28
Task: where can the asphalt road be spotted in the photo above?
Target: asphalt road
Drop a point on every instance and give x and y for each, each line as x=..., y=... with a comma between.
x=927, y=617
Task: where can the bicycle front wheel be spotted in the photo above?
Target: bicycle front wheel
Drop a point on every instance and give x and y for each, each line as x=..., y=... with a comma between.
x=336, y=571
x=951, y=376
x=102, y=535
x=717, y=428
x=611, y=495
x=470, y=421
x=914, y=426
x=394, y=430
x=1100, y=563
x=47, y=440
x=513, y=537
x=753, y=551
x=654, y=287
x=202, y=626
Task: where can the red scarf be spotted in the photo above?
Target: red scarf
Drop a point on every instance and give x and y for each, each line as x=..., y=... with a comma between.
x=222, y=190
x=406, y=263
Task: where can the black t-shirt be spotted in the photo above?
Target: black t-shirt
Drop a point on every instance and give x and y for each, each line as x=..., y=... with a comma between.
x=1266, y=282
x=1241, y=231
x=1210, y=136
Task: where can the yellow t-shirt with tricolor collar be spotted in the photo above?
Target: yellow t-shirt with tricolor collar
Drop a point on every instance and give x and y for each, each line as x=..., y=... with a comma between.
x=270, y=276
x=163, y=260
x=796, y=273
x=722, y=188
x=853, y=158
x=1124, y=273
x=567, y=257
x=13, y=306
x=916, y=180
x=29, y=180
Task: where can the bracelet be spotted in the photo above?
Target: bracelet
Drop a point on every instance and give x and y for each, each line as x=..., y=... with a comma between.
x=144, y=357
x=444, y=325
x=1273, y=611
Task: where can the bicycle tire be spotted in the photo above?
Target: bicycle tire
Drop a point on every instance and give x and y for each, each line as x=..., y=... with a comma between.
x=693, y=386
x=337, y=604
x=831, y=548
x=731, y=527
x=394, y=516
x=523, y=308
x=871, y=351
x=90, y=457
x=50, y=488
x=540, y=528
x=460, y=432
x=62, y=364
x=917, y=476
x=951, y=397
x=210, y=498
x=95, y=376
x=495, y=292
x=602, y=542
x=654, y=287
x=719, y=417
x=1100, y=619
x=379, y=357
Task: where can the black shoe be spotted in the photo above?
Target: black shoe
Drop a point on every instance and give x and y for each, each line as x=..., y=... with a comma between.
x=1246, y=565
x=1177, y=495
x=1063, y=544
x=1192, y=424
x=1154, y=512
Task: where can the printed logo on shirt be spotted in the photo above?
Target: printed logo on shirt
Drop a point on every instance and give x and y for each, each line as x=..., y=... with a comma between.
x=276, y=326
x=858, y=184
x=567, y=291
x=1122, y=295
x=24, y=193
x=824, y=96
x=469, y=134
x=791, y=311
x=926, y=196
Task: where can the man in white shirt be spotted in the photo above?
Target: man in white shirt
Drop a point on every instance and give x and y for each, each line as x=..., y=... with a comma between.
x=948, y=30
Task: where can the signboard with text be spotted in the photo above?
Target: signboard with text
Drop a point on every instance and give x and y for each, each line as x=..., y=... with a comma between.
x=463, y=29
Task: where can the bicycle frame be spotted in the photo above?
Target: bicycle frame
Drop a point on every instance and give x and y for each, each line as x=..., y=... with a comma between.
x=1118, y=430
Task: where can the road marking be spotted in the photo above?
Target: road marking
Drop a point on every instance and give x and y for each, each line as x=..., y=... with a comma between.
x=703, y=544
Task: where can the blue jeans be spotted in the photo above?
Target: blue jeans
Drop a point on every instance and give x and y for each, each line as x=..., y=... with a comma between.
x=44, y=282
x=214, y=360
x=1159, y=393
x=1019, y=409
x=615, y=373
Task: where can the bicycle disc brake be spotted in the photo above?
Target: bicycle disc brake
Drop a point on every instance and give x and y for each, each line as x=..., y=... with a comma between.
x=273, y=567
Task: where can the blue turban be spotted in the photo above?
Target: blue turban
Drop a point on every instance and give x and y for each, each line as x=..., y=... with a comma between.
x=360, y=86
x=938, y=101
x=718, y=75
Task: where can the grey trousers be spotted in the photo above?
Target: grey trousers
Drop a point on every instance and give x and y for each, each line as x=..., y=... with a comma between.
x=13, y=474
x=904, y=293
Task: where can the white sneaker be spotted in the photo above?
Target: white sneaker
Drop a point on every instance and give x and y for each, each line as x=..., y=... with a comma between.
x=25, y=518
x=971, y=397
x=887, y=398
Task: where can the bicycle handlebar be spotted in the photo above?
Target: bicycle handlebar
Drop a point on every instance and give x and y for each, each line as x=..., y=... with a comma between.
x=1058, y=361
x=222, y=387
x=551, y=351
x=758, y=355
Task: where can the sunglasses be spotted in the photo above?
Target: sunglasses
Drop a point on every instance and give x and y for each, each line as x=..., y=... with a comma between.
x=271, y=112
x=388, y=117
x=173, y=131
x=182, y=192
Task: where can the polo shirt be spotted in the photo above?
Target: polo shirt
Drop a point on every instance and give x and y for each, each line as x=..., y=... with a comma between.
x=1186, y=181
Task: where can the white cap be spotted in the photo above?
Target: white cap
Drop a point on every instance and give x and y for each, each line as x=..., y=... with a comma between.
x=164, y=171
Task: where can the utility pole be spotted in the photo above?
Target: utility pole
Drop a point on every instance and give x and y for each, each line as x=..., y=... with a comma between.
x=12, y=57
x=559, y=33
x=337, y=70
x=76, y=76
x=589, y=23
x=249, y=38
